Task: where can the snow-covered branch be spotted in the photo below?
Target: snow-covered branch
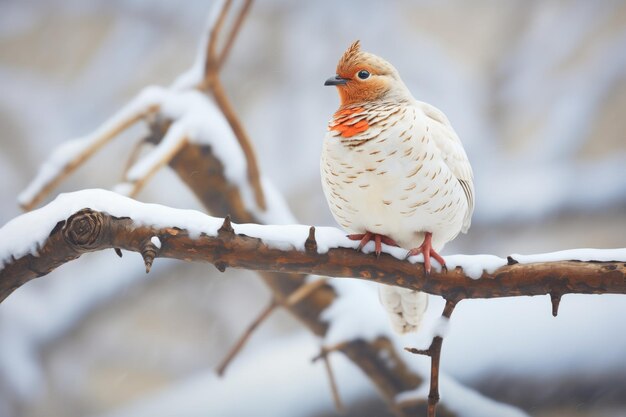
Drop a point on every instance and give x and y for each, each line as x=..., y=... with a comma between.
x=58, y=233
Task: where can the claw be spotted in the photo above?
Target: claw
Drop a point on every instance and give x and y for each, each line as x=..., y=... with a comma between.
x=356, y=236
x=427, y=250
x=366, y=237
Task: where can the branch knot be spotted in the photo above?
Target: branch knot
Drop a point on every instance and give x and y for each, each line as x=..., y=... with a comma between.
x=83, y=228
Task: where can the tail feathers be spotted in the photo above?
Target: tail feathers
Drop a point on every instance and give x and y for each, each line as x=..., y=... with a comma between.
x=405, y=307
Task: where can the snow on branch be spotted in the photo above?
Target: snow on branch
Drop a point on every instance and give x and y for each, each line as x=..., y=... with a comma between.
x=35, y=243
x=197, y=111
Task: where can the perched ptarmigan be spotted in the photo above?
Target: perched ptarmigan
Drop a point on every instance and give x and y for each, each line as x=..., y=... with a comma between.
x=394, y=171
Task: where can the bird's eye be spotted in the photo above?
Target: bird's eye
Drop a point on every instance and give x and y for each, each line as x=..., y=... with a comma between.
x=363, y=74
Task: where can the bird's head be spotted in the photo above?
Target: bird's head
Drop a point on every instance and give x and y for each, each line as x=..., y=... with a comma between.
x=363, y=77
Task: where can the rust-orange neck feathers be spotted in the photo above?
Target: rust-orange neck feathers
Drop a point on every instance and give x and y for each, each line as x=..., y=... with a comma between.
x=349, y=121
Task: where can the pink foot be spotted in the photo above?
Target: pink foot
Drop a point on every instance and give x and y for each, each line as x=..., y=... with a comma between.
x=426, y=248
x=378, y=241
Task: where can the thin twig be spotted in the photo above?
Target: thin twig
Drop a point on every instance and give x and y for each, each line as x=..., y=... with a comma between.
x=329, y=349
x=333, y=383
x=244, y=142
x=294, y=298
x=83, y=156
x=233, y=33
x=211, y=60
x=171, y=153
x=434, y=352
x=304, y=291
x=134, y=155
x=221, y=369
x=211, y=82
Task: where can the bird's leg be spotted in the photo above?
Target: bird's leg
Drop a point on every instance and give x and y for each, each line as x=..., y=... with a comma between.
x=378, y=241
x=364, y=238
x=426, y=248
x=388, y=241
x=378, y=247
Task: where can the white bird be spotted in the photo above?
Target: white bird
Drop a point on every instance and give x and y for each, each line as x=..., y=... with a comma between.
x=394, y=171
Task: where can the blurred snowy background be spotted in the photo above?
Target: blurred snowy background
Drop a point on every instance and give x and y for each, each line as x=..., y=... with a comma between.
x=535, y=89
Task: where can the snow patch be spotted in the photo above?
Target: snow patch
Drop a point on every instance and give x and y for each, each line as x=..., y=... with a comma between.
x=156, y=241
x=475, y=265
x=584, y=255
x=441, y=327
x=124, y=188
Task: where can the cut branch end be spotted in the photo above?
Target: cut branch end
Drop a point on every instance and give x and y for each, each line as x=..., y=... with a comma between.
x=511, y=261
x=310, y=245
x=221, y=266
x=148, y=253
x=227, y=227
x=555, y=299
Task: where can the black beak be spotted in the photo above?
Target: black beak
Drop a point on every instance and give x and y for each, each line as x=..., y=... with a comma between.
x=336, y=80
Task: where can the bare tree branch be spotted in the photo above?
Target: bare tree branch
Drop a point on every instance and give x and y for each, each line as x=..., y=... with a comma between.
x=434, y=352
x=138, y=184
x=211, y=57
x=244, y=141
x=96, y=144
x=212, y=83
x=333, y=382
x=232, y=35
x=265, y=313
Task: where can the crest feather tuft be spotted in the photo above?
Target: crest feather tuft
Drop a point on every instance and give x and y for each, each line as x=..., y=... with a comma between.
x=350, y=54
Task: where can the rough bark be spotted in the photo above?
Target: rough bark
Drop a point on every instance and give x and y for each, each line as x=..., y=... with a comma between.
x=89, y=231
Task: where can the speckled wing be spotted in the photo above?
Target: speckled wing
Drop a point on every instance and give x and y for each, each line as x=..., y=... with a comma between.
x=452, y=152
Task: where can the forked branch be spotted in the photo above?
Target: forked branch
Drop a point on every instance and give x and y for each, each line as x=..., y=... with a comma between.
x=211, y=83
x=434, y=352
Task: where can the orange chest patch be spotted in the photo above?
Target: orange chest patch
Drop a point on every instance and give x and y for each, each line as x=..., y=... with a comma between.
x=349, y=122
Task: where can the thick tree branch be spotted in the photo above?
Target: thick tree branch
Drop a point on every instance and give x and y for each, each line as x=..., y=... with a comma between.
x=89, y=231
